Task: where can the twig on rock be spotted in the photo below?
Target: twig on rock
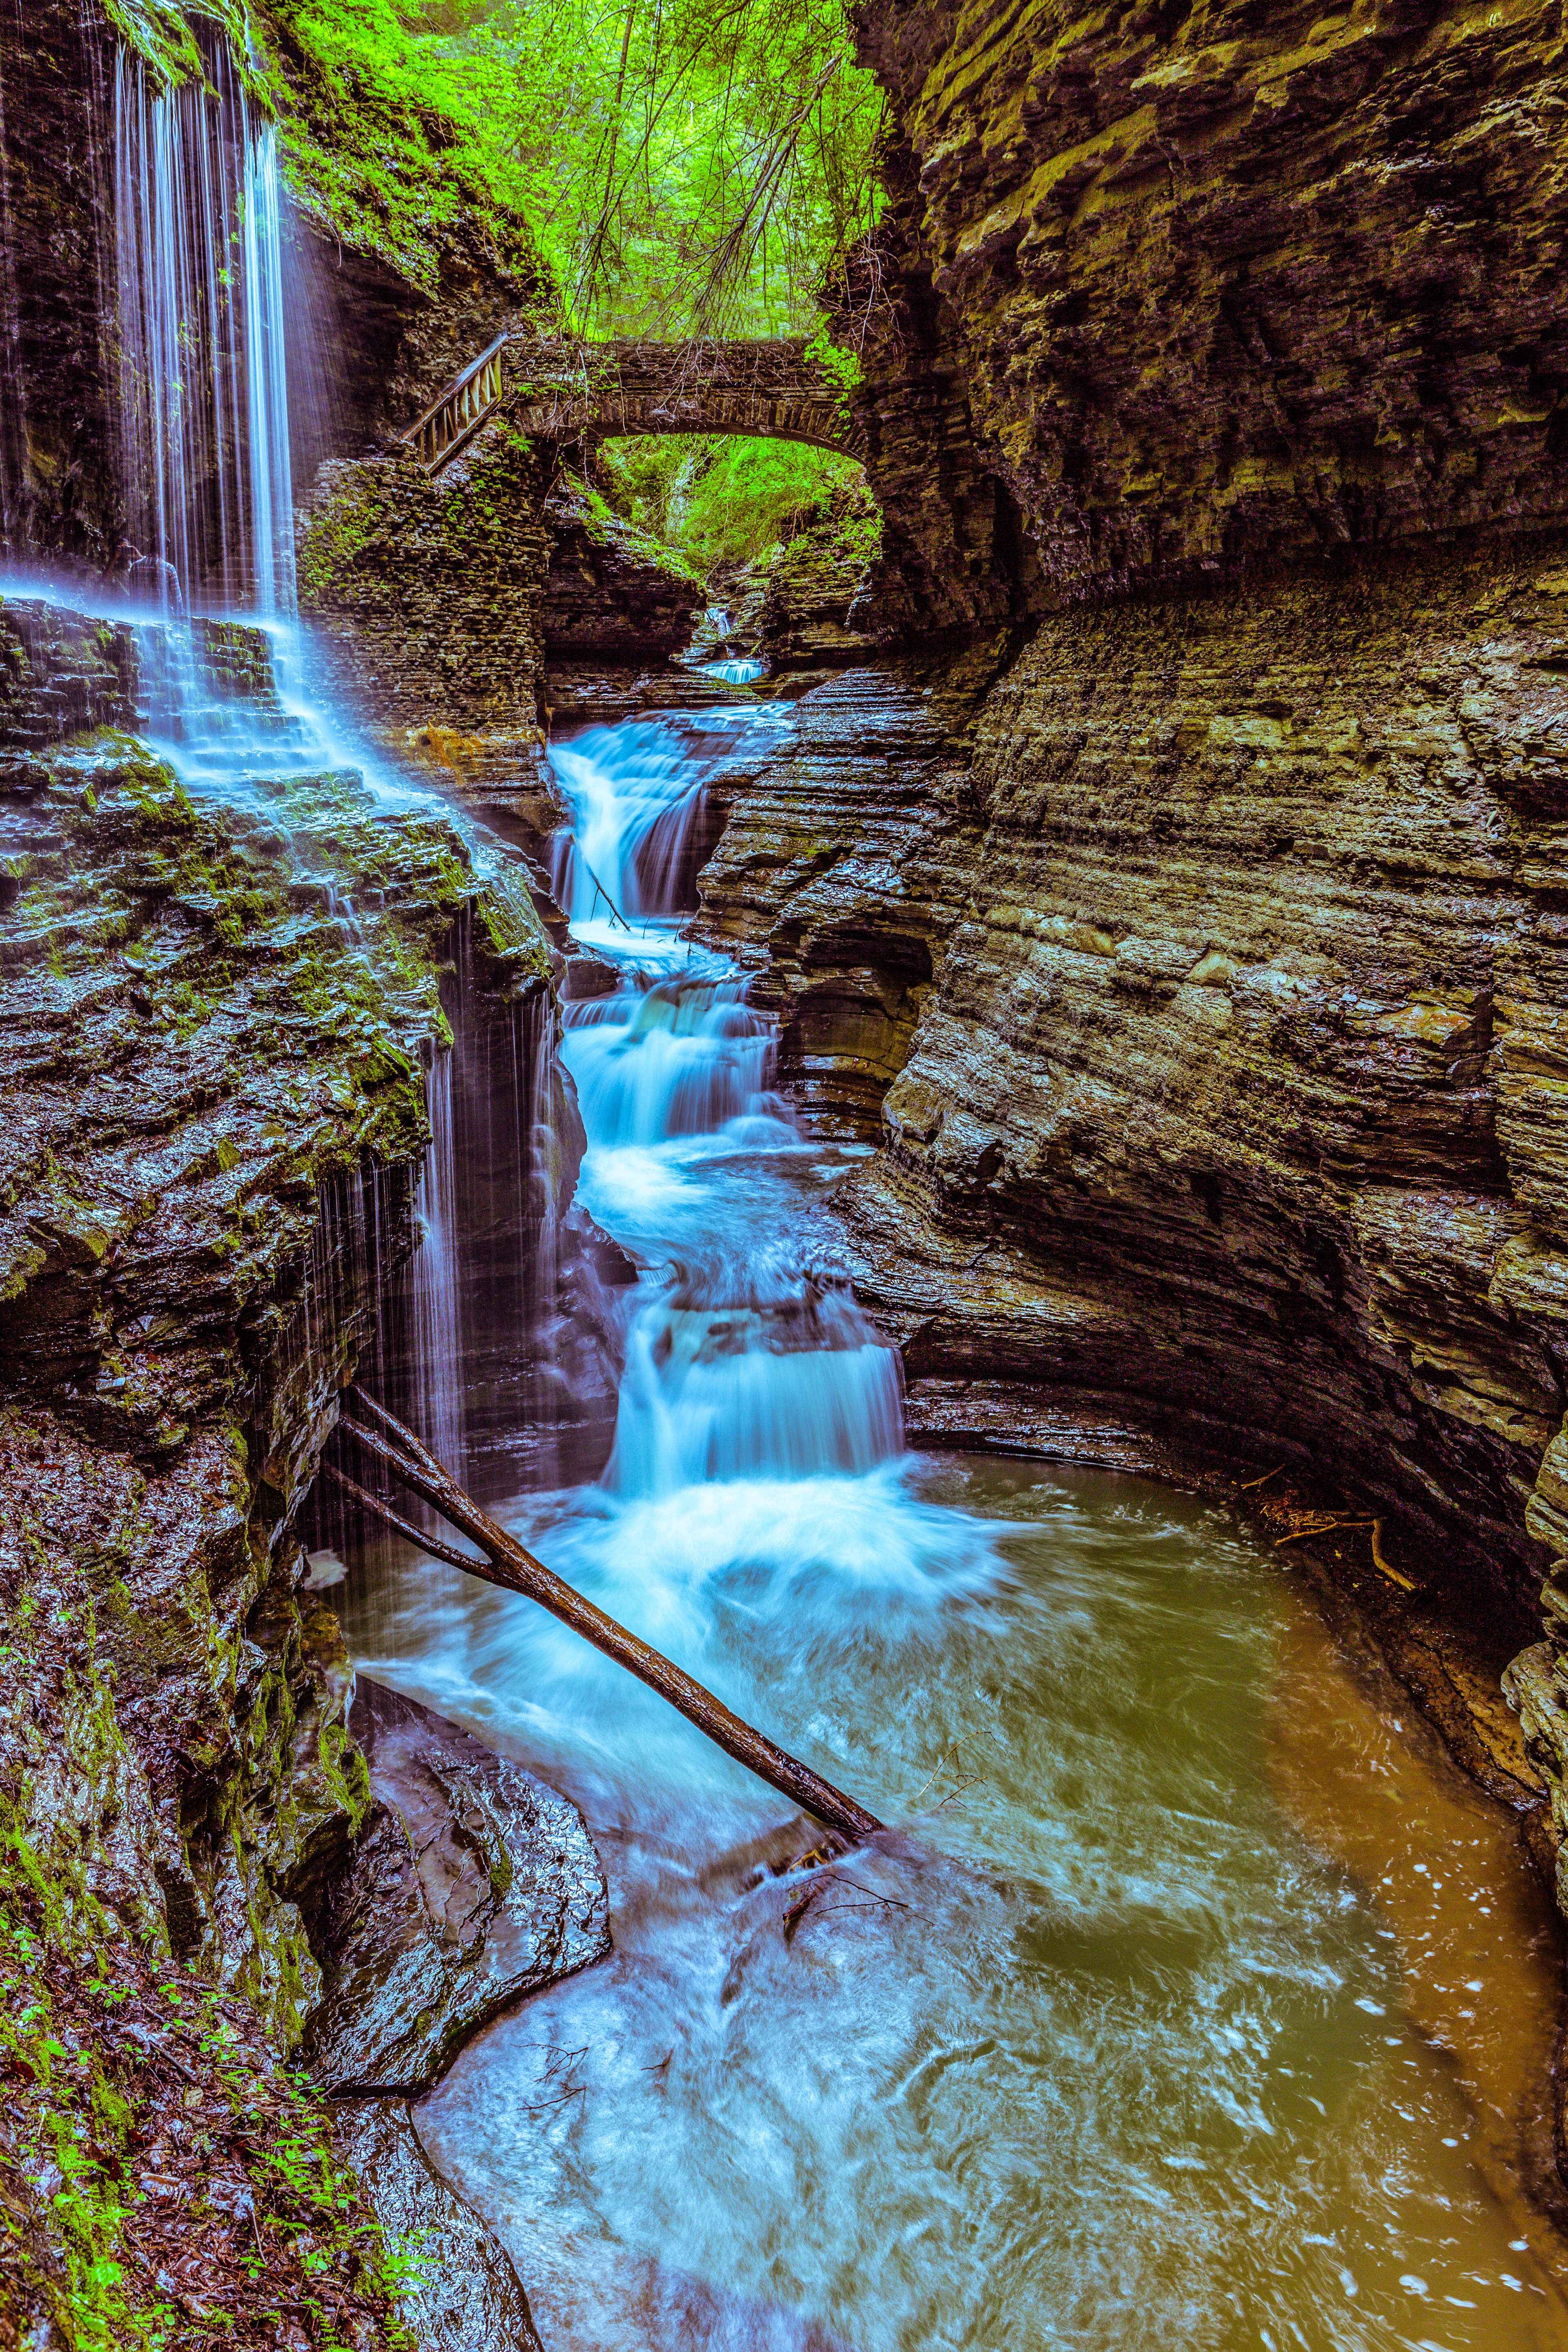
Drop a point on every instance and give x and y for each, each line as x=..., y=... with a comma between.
x=1378, y=1561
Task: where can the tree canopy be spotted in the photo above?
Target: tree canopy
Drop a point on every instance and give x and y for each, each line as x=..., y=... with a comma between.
x=686, y=166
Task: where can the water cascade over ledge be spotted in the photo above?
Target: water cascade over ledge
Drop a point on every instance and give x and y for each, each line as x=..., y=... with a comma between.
x=198, y=304
x=1104, y=2046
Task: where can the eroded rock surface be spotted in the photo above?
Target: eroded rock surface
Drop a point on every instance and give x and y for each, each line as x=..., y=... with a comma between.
x=1219, y=282
x=472, y=1885
x=217, y=1017
x=462, y=2294
x=613, y=593
x=844, y=864
x=1227, y=1105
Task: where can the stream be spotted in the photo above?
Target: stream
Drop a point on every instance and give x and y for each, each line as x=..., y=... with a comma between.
x=1194, y=2000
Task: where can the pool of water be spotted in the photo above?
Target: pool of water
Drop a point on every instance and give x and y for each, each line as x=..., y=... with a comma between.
x=1128, y=2033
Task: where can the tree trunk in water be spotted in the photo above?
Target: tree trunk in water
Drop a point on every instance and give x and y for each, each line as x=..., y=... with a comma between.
x=506, y=1562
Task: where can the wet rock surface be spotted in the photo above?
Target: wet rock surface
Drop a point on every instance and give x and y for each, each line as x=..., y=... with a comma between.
x=1216, y=284
x=843, y=865
x=1229, y=1110
x=472, y=1885
x=217, y=1013
x=464, y=2294
x=425, y=600
x=613, y=593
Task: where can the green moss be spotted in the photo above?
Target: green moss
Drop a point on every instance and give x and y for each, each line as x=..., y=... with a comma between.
x=337, y=534
x=400, y=151
x=160, y=32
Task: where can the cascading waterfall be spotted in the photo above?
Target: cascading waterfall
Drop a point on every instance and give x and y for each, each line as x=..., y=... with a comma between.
x=635, y=792
x=740, y=669
x=763, y=1370
x=1101, y=2050
x=198, y=301
x=270, y=469
x=683, y=1057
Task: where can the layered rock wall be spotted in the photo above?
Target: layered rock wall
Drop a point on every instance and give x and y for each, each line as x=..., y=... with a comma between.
x=218, y=1013
x=1238, y=1099
x=1214, y=351
x=1231, y=282
x=57, y=489
x=424, y=597
x=613, y=596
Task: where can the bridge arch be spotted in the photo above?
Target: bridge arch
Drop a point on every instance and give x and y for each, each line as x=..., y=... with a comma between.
x=567, y=392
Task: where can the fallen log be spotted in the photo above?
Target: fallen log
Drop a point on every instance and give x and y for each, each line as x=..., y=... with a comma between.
x=506, y=1562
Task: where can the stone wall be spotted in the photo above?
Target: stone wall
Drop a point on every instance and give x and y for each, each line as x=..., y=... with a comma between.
x=213, y=1094
x=613, y=593
x=426, y=600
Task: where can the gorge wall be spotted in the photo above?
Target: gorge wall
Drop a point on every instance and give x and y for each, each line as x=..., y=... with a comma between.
x=220, y=1014
x=1227, y=282
x=1201, y=939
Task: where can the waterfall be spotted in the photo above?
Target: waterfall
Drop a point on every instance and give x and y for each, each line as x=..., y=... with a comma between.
x=266, y=384
x=740, y=671
x=763, y=1370
x=745, y=1359
x=198, y=304
x=435, y=1308
x=636, y=792
x=684, y=1057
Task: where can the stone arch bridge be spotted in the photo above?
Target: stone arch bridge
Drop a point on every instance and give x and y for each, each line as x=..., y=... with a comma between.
x=566, y=391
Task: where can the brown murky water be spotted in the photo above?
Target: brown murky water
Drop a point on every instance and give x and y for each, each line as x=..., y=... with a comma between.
x=1440, y=1866
x=1203, y=2003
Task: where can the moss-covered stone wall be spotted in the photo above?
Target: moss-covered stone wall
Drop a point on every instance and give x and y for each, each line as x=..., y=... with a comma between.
x=214, y=1020
x=426, y=602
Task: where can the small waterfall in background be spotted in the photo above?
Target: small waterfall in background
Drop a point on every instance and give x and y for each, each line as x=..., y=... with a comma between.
x=742, y=670
x=198, y=305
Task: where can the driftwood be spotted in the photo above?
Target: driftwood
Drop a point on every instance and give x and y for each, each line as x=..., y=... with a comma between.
x=507, y=1563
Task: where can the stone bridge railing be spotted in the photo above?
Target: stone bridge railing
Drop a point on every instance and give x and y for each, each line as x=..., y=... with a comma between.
x=565, y=390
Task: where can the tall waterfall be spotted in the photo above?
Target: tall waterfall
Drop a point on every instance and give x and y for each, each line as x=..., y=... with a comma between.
x=438, y=1329
x=198, y=303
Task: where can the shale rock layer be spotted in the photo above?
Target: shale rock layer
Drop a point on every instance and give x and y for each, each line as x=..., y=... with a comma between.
x=1217, y=968
x=1229, y=281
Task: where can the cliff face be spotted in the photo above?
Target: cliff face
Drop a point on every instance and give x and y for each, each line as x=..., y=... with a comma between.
x=612, y=596
x=1238, y=1099
x=1230, y=281
x=216, y=1018
x=56, y=486
x=1232, y=1107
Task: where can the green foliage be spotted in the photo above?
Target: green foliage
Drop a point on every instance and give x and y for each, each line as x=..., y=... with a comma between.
x=397, y=145
x=685, y=163
x=160, y=32
x=841, y=368
x=649, y=166
x=722, y=501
